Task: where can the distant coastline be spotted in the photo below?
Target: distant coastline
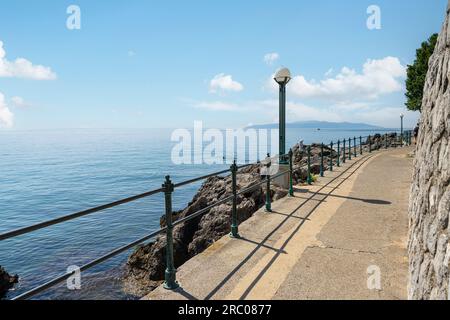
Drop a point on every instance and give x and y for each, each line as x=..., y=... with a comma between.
x=320, y=125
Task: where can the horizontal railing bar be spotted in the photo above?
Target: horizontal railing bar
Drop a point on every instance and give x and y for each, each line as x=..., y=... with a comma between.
x=215, y=204
x=45, y=224
x=177, y=185
x=259, y=184
x=202, y=211
x=89, y=265
x=247, y=165
x=72, y=216
x=363, y=143
x=279, y=174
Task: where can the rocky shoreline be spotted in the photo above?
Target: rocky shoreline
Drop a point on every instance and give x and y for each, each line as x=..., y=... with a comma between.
x=7, y=281
x=146, y=265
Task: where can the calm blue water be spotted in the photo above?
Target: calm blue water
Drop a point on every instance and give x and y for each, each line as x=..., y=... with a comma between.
x=47, y=174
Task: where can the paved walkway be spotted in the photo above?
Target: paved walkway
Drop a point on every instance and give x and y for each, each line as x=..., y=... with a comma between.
x=324, y=243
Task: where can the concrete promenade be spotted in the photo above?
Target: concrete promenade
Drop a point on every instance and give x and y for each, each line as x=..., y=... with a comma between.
x=324, y=243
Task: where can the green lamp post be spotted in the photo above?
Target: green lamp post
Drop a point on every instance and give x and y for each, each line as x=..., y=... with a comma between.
x=282, y=77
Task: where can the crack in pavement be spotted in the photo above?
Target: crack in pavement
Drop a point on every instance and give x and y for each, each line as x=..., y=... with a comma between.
x=354, y=251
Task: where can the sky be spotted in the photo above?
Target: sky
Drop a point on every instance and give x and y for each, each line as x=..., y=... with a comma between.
x=166, y=64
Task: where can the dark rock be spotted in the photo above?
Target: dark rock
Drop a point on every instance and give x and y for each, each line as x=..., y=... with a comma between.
x=6, y=281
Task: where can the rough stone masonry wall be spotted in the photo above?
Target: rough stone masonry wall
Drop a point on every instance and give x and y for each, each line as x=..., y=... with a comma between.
x=429, y=210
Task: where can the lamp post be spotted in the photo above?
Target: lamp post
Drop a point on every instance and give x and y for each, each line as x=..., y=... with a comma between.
x=401, y=128
x=282, y=77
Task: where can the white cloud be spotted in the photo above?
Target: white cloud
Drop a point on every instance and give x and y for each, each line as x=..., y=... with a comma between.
x=378, y=77
x=302, y=112
x=19, y=102
x=269, y=110
x=329, y=73
x=222, y=82
x=346, y=95
x=6, y=116
x=22, y=68
x=298, y=111
x=270, y=58
x=359, y=112
x=349, y=95
x=388, y=117
x=217, y=106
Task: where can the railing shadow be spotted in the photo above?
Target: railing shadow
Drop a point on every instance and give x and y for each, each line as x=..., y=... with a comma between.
x=185, y=294
x=275, y=257
x=287, y=215
x=370, y=201
x=262, y=243
x=252, y=253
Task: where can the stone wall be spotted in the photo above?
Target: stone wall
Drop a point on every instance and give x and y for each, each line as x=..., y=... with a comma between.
x=429, y=210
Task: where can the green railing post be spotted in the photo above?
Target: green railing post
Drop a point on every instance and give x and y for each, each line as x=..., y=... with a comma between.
x=370, y=144
x=268, y=195
x=309, y=180
x=321, y=161
x=349, y=148
x=345, y=156
x=354, y=147
x=331, y=156
x=360, y=145
x=234, y=221
x=339, y=153
x=170, y=282
x=385, y=141
x=291, y=173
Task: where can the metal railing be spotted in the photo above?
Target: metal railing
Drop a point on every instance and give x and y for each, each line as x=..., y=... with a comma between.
x=168, y=189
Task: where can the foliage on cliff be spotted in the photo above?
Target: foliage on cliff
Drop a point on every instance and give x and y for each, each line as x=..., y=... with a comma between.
x=417, y=73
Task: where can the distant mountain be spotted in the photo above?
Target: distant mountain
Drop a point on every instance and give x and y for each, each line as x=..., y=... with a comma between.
x=320, y=125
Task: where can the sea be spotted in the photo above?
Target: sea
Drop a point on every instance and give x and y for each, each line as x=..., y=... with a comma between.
x=51, y=173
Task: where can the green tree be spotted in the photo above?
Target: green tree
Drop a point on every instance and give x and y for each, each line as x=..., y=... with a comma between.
x=416, y=74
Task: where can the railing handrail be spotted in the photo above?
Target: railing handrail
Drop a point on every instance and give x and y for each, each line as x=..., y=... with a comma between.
x=91, y=264
x=48, y=223
x=45, y=224
x=170, y=225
